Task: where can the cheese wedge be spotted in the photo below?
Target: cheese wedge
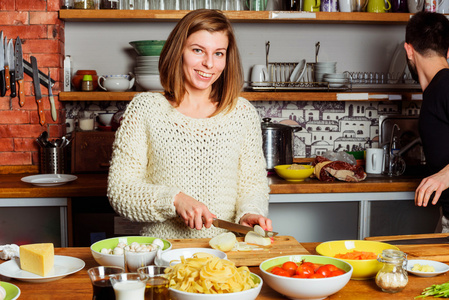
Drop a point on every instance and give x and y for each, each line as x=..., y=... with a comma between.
x=37, y=258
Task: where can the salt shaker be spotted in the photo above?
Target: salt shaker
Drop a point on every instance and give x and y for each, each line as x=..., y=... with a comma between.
x=392, y=277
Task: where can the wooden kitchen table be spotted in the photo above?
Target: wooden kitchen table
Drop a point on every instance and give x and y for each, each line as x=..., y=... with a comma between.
x=78, y=286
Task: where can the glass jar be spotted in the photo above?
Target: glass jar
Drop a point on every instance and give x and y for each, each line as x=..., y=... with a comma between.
x=392, y=277
x=84, y=4
x=109, y=4
x=66, y=4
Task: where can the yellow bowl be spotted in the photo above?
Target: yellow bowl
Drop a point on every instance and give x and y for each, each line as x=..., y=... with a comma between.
x=363, y=269
x=294, y=175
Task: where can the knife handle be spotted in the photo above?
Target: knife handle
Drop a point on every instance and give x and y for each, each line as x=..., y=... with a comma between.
x=53, y=108
x=13, y=83
x=2, y=83
x=7, y=81
x=40, y=110
x=21, y=93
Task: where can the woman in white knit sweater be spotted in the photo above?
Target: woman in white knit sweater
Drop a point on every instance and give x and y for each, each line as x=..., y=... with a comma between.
x=195, y=152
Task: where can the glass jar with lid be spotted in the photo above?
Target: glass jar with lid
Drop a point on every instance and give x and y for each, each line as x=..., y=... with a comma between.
x=392, y=277
x=84, y=4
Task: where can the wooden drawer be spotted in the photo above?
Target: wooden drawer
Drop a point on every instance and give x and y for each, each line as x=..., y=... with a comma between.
x=91, y=151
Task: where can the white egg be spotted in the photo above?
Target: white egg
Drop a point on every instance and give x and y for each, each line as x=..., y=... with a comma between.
x=105, y=251
x=118, y=251
x=121, y=245
x=159, y=242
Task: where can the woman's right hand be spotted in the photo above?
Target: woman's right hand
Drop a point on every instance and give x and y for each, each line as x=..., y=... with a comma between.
x=193, y=212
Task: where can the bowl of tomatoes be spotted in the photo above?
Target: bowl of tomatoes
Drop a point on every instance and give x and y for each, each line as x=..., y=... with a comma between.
x=306, y=276
x=362, y=255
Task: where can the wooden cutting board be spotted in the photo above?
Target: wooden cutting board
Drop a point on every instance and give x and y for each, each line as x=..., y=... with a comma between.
x=282, y=245
x=437, y=252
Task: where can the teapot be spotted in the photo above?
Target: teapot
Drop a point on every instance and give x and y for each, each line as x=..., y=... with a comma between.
x=378, y=6
x=116, y=83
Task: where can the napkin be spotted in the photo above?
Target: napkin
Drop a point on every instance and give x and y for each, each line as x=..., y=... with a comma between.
x=9, y=251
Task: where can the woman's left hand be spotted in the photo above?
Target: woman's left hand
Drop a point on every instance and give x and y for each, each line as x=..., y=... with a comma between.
x=253, y=219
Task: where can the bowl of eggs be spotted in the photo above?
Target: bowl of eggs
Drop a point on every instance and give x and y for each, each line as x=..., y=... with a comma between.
x=109, y=252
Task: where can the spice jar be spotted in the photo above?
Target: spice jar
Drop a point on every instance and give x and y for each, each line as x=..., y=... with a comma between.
x=392, y=277
x=84, y=4
x=87, y=84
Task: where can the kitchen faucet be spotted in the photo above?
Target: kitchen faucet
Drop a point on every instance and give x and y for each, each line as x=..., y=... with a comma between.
x=392, y=157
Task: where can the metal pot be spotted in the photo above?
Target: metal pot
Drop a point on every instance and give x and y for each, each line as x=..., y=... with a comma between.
x=277, y=143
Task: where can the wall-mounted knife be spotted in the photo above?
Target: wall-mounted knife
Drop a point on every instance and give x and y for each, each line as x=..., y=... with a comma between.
x=51, y=98
x=37, y=90
x=238, y=228
x=2, y=67
x=19, y=70
x=12, y=68
x=7, y=80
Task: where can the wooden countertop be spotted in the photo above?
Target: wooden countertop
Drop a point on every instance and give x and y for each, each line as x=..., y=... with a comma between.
x=93, y=185
x=78, y=286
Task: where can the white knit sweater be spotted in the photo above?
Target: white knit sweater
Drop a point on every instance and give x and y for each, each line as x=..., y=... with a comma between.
x=159, y=152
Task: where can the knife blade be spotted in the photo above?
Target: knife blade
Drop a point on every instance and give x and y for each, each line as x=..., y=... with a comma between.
x=440, y=240
x=2, y=67
x=19, y=70
x=238, y=228
x=7, y=80
x=37, y=90
x=50, y=97
x=12, y=68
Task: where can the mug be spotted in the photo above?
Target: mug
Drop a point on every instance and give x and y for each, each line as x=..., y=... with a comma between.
x=378, y=6
x=374, y=160
x=329, y=5
x=360, y=5
x=347, y=5
x=415, y=6
x=311, y=5
x=256, y=5
x=259, y=75
x=116, y=83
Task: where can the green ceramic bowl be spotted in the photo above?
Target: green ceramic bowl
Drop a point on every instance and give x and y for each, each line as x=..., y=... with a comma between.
x=148, y=48
x=118, y=260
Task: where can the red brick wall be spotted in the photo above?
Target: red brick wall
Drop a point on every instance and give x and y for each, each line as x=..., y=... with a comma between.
x=42, y=35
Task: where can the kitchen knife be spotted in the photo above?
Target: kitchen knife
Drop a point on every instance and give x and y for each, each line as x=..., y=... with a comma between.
x=7, y=80
x=37, y=90
x=28, y=69
x=18, y=55
x=238, y=228
x=440, y=240
x=52, y=100
x=2, y=67
x=12, y=68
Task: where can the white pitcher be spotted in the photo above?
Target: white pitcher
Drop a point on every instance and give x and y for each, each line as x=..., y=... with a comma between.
x=116, y=83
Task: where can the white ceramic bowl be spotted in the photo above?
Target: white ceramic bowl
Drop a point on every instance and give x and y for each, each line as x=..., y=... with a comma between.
x=149, y=82
x=105, y=118
x=174, y=256
x=250, y=294
x=119, y=260
x=306, y=288
x=440, y=268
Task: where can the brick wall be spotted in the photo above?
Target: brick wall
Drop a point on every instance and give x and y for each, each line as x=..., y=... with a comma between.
x=42, y=35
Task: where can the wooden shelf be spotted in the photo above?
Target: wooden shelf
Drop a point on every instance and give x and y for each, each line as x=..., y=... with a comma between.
x=255, y=96
x=86, y=15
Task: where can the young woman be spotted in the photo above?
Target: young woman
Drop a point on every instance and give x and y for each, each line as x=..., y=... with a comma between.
x=195, y=152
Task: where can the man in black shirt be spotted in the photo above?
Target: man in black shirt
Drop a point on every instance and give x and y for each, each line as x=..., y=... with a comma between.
x=427, y=46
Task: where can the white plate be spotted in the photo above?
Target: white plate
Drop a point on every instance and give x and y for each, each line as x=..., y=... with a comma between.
x=49, y=179
x=440, y=268
x=398, y=62
x=299, y=71
x=12, y=290
x=64, y=265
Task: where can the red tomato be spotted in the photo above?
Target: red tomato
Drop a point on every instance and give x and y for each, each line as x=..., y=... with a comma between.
x=323, y=270
x=304, y=271
x=282, y=272
x=297, y=276
x=290, y=267
x=331, y=267
x=308, y=263
x=317, y=275
x=337, y=273
x=275, y=269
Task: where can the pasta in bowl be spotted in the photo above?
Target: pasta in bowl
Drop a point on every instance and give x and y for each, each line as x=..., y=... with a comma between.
x=207, y=277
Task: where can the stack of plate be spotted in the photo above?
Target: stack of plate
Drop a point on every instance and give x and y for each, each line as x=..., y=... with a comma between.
x=322, y=68
x=335, y=79
x=147, y=72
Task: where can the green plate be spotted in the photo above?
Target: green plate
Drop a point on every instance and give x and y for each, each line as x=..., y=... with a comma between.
x=12, y=291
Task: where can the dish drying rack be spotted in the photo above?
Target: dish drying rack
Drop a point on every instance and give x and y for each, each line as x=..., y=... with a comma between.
x=280, y=74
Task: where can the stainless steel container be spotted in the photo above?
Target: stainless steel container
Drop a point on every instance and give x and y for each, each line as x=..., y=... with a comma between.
x=277, y=143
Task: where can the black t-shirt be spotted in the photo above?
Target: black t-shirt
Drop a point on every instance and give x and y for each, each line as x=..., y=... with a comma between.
x=434, y=127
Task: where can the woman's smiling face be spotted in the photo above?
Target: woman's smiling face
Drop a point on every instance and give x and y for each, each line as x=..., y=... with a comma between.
x=204, y=59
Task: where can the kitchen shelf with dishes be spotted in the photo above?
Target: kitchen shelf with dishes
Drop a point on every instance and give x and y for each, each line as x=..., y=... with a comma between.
x=245, y=16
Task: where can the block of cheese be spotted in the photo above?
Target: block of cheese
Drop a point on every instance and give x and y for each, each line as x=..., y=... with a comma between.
x=37, y=258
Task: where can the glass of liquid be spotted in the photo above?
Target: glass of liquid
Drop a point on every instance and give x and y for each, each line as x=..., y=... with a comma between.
x=129, y=286
x=157, y=283
x=102, y=286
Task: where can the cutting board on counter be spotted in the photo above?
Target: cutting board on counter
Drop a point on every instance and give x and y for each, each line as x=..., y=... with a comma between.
x=437, y=252
x=282, y=245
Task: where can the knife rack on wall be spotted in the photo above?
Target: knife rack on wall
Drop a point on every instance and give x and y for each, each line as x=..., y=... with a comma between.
x=43, y=79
